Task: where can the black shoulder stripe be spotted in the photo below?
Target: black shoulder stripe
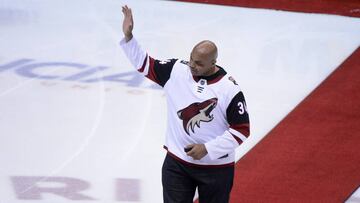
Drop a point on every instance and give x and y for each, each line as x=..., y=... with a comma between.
x=236, y=112
x=163, y=70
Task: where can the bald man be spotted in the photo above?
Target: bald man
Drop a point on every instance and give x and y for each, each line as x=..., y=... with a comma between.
x=207, y=119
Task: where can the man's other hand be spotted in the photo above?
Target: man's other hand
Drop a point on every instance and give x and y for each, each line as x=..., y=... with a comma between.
x=197, y=152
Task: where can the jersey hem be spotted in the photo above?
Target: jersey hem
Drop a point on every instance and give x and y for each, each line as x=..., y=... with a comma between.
x=197, y=165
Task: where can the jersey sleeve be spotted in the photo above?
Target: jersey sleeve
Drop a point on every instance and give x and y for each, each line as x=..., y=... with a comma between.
x=239, y=129
x=156, y=70
x=238, y=118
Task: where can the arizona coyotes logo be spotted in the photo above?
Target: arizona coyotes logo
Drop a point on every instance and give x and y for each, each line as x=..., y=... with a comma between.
x=197, y=112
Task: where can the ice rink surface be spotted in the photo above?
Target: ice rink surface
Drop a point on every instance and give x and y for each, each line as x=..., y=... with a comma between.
x=78, y=123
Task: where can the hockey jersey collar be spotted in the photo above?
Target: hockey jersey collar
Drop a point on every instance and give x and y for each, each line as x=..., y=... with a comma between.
x=211, y=79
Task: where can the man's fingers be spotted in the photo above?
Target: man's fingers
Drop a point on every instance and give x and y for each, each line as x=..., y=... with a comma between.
x=128, y=11
x=192, y=152
x=197, y=151
x=125, y=10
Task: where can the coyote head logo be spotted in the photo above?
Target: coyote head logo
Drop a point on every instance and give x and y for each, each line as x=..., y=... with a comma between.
x=197, y=112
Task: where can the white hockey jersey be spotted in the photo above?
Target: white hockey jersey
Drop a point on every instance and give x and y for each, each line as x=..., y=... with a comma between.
x=201, y=110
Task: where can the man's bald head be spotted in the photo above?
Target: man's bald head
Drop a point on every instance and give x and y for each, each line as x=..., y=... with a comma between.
x=207, y=48
x=203, y=58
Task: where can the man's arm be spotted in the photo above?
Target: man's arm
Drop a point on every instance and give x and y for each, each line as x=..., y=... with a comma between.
x=239, y=130
x=156, y=70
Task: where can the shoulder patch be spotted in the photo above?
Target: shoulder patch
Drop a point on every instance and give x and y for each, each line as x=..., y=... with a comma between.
x=184, y=62
x=165, y=61
x=233, y=80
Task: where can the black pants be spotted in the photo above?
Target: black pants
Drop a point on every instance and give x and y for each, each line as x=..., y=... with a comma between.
x=180, y=181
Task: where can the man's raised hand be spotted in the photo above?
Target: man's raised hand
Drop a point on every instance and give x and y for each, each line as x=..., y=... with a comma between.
x=128, y=23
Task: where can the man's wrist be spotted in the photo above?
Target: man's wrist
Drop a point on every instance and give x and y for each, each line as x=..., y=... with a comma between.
x=205, y=150
x=128, y=37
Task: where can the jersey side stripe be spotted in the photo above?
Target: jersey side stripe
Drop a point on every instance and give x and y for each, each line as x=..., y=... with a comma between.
x=237, y=139
x=244, y=128
x=147, y=66
x=141, y=70
x=237, y=134
x=151, y=71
